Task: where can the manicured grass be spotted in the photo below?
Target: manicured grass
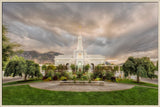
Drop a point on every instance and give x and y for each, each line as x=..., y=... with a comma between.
x=135, y=82
x=26, y=95
x=20, y=82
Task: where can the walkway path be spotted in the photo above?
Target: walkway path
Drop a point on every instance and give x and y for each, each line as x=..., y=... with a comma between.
x=148, y=80
x=11, y=79
x=55, y=86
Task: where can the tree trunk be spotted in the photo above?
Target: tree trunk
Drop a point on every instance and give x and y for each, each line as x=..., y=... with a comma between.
x=137, y=78
x=129, y=76
x=25, y=77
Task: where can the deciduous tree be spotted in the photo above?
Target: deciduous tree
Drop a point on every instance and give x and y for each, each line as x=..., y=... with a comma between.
x=18, y=66
x=142, y=67
x=32, y=69
x=8, y=48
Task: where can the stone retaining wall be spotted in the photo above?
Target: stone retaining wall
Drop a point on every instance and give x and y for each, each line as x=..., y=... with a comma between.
x=92, y=83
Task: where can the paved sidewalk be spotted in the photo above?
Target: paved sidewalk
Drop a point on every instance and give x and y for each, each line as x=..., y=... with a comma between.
x=148, y=80
x=54, y=86
x=11, y=79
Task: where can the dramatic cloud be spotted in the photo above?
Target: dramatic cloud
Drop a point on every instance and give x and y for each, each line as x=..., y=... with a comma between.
x=111, y=29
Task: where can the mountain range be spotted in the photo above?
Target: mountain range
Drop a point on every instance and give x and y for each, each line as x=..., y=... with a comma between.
x=40, y=58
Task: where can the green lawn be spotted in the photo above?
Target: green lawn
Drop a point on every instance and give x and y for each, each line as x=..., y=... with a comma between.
x=26, y=95
x=140, y=83
x=21, y=82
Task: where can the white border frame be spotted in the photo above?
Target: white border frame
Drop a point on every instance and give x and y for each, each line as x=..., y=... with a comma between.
x=77, y=1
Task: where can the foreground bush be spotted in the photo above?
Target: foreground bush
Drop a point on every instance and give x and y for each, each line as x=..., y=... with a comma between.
x=63, y=78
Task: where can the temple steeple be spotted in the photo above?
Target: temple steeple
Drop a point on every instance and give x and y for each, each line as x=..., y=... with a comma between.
x=79, y=45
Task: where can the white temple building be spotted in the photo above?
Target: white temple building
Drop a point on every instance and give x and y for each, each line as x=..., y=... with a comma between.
x=80, y=57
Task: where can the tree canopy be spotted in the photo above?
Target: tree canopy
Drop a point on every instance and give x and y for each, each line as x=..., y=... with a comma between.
x=86, y=67
x=8, y=48
x=44, y=67
x=32, y=69
x=73, y=67
x=142, y=67
x=18, y=66
x=61, y=68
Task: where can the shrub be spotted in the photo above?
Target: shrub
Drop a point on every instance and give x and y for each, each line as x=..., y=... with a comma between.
x=108, y=68
x=56, y=76
x=44, y=67
x=113, y=79
x=116, y=68
x=73, y=67
x=74, y=77
x=44, y=78
x=79, y=74
x=36, y=78
x=64, y=73
x=86, y=67
x=109, y=75
x=119, y=79
x=104, y=75
x=48, y=79
x=97, y=74
x=98, y=79
x=69, y=75
x=40, y=76
x=49, y=74
x=91, y=75
x=50, y=68
x=63, y=78
x=84, y=77
x=61, y=68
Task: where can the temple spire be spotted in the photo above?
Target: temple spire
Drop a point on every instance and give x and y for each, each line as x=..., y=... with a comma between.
x=79, y=45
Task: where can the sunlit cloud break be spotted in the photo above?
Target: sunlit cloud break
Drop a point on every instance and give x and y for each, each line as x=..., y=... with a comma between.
x=115, y=30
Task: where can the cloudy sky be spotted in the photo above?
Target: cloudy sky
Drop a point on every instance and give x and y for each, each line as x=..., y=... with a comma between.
x=116, y=30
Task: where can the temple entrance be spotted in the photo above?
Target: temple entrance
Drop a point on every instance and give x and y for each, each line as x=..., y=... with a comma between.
x=80, y=66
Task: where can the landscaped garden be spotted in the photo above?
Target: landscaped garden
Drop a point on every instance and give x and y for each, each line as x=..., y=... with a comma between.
x=60, y=73
x=27, y=95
